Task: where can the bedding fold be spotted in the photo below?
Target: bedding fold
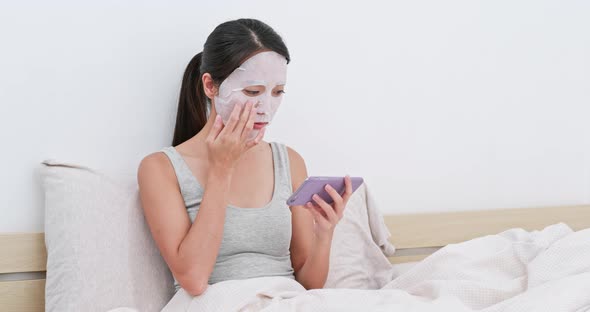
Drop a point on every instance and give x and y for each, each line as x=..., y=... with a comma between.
x=516, y=270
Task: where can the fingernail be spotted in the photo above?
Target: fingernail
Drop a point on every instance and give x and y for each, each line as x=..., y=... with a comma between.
x=327, y=187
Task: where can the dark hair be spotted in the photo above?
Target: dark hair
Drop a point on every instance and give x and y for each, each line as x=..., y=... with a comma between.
x=226, y=48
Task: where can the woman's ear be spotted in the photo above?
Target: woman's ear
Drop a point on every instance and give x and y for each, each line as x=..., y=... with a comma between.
x=209, y=86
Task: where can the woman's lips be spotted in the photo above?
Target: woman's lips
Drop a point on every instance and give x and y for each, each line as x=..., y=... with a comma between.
x=260, y=125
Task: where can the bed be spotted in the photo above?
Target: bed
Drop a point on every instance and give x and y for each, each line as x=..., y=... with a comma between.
x=415, y=235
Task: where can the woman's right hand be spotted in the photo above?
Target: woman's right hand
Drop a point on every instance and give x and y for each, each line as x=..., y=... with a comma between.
x=226, y=144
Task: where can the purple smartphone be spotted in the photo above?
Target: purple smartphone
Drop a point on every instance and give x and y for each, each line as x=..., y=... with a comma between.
x=315, y=185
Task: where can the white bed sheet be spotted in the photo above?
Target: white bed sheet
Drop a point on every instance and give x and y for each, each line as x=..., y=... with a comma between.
x=401, y=268
x=513, y=271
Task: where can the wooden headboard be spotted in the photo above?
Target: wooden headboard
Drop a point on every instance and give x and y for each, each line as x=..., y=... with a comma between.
x=20, y=253
x=414, y=235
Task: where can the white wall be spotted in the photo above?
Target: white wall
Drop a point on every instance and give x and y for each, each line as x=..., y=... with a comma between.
x=440, y=105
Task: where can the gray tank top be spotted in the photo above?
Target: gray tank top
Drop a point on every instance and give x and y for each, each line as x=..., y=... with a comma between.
x=255, y=241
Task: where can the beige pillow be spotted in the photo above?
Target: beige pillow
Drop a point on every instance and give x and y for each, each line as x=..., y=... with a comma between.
x=100, y=253
x=360, y=246
x=101, y=256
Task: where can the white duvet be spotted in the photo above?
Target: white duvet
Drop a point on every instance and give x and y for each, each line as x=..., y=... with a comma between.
x=515, y=270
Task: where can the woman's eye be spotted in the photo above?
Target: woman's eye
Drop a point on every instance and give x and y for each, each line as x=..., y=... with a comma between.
x=251, y=92
x=281, y=91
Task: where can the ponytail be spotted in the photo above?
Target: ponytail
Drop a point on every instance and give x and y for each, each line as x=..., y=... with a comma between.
x=192, y=103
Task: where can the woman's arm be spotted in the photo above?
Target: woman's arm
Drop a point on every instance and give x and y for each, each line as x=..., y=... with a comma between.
x=311, y=243
x=189, y=250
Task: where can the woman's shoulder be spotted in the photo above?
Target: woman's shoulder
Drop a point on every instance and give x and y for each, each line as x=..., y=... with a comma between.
x=155, y=164
x=294, y=156
x=296, y=164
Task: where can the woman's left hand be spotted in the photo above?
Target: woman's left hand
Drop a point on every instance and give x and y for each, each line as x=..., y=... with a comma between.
x=326, y=215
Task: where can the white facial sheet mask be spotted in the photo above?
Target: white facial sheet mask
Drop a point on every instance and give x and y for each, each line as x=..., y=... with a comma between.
x=267, y=69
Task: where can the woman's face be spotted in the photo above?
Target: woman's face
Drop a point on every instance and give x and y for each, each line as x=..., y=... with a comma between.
x=260, y=78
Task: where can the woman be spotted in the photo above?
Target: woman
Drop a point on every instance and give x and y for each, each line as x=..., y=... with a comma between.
x=215, y=200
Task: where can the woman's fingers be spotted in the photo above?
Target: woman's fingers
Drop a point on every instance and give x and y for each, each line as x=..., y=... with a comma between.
x=257, y=139
x=317, y=215
x=327, y=208
x=338, y=200
x=329, y=215
x=249, y=124
x=348, y=188
x=233, y=119
x=244, y=117
x=215, y=130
